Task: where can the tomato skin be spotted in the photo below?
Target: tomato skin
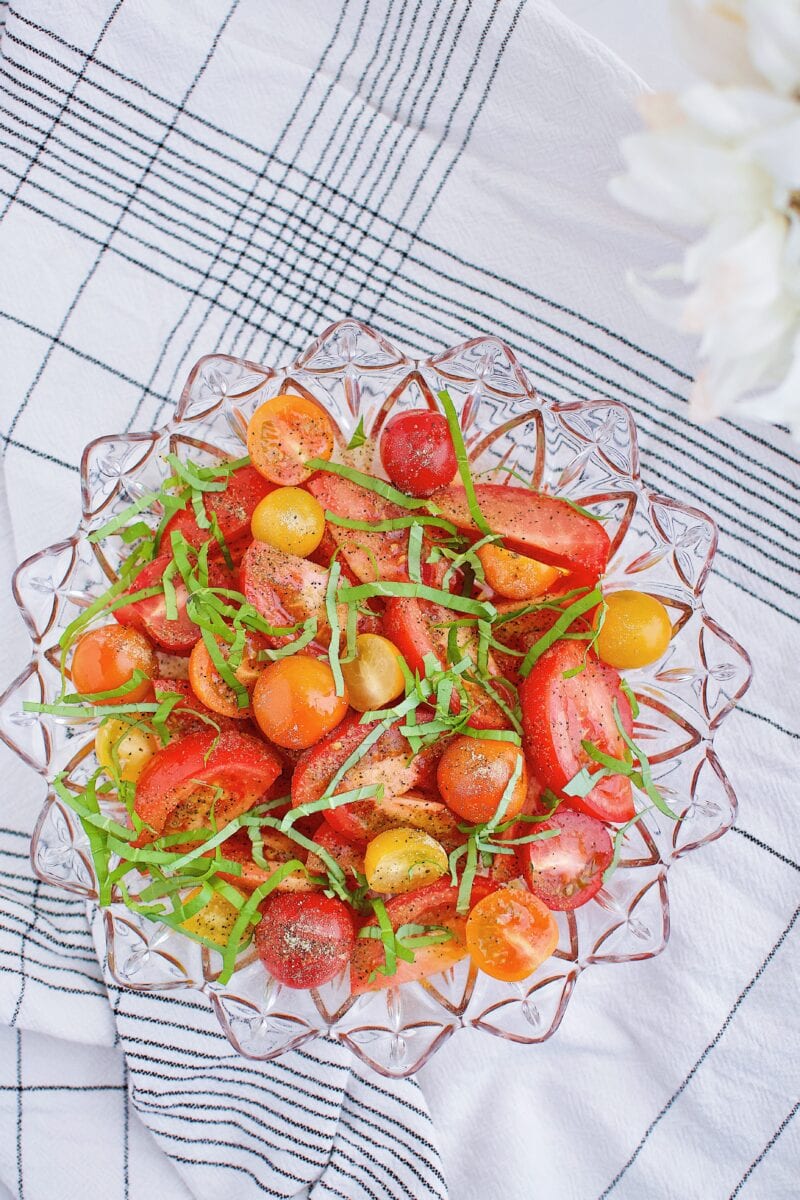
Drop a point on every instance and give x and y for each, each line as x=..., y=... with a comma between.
x=295, y=702
x=385, y=762
x=188, y=716
x=567, y=871
x=509, y=934
x=431, y=905
x=233, y=509
x=166, y=799
x=541, y=526
x=473, y=774
x=284, y=433
x=361, y=548
x=417, y=451
x=304, y=939
x=106, y=658
x=558, y=713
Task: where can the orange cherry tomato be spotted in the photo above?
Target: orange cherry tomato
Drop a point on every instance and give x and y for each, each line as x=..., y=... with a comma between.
x=510, y=933
x=211, y=689
x=284, y=433
x=516, y=576
x=105, y=659
x=473, y=774
x=295, y=702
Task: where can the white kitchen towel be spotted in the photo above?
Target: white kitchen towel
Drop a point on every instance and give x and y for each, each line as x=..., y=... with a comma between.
x=234, y=174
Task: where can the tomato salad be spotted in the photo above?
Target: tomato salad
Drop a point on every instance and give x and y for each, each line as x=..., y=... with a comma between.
x=361, y=722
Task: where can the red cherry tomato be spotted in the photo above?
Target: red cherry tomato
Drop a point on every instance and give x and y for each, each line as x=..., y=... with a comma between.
x=304, y=938
x=233, y=509
x=105, y=659
x=544, y=527
x=349, y=857
x=431, y=905
x=558, y=714
x=567, y=870
x=181, y=784
x=417, y=451
x=388, y=762
x=188, y=716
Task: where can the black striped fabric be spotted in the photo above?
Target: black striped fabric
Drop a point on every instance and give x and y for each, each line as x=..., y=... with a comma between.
x=233, y=175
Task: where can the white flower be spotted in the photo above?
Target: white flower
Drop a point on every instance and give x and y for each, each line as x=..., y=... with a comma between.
x=724, y=157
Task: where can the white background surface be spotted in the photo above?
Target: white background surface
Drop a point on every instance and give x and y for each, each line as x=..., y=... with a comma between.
x=636, y=30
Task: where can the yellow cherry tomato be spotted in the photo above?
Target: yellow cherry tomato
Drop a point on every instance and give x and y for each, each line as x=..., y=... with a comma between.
x=636, y=630
x=289, y=519
x=374, y=676
x=401, y=860
x=510, y=933
x=124, y=748
x=516, y=576
x=214, y=920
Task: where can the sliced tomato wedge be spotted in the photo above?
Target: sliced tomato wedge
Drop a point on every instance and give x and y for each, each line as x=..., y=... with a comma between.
x=567, y=870
x=285, y=589
x=558, y=714
x=362, y=549
x=431, y=905
x=417, y=628
x=150, y=615
x=388, y=761
x=277, y=849
x=233, y=509
x=349, y=857
x=544, y=527
x=181, y=785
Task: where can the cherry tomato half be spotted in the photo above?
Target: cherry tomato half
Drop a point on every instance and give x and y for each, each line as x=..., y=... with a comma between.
x=559, y=714
x=214, y=922
x=105, y=659
x=515, y=575
x=417, y=451
x=636, y=630
x=184, y=781
x=304, y=938
x=290, y=519
x=374, y=676
x=124, y=748
x=401, y=860
x=364, y=552
x=473, y=774
x=510, y=933
x=295, y=701
x=567, y=870
x=211, y=689
x=284, y=433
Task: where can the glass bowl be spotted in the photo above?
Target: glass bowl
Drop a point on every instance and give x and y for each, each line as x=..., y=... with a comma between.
x=585, y=451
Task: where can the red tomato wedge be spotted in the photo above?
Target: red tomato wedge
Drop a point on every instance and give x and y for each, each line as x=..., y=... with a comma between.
x=285, y=589
x=183, y=781
x=386, y=762
x=277, y=849
x=349, y=857
x=541, y=526
x=567, y=870
x=233, y=509
x=558, y=714
x=150, y=615
x=188, y=716
x=417, y=628
x=431, y=905
x=361, y=548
